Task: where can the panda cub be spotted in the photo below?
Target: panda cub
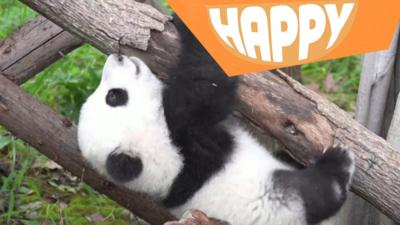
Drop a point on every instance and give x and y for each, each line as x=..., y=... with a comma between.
x=178, y=143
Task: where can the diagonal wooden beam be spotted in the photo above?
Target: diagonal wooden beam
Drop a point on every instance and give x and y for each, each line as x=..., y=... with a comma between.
x=35, y=46
x=303, y=121
x=55, y=136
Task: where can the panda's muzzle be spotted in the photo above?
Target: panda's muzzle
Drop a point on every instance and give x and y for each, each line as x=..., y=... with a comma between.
x=122, y=167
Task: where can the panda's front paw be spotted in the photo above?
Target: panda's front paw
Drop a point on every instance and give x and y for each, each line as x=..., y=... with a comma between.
x=122, y=167
x=339, y=164
x=326, y=184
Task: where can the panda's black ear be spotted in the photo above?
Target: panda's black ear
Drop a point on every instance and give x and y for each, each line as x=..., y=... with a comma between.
x=117, y=97
x=137, y=64
x=141, y=67
x=122, y=167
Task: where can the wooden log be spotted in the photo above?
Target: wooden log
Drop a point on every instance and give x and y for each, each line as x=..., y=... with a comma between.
x=55, y=136
x=35, y=46
x=133, y=30
x=76, y=17
x=294, y=72
x=303, y=121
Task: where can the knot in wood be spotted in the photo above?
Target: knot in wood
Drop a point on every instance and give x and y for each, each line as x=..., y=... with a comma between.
x=290, y=127
x=7, y=50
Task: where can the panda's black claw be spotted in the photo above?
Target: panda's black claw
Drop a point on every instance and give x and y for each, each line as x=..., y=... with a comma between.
x=337, y=163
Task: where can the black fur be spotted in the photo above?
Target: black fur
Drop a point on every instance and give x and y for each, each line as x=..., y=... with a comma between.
x=198, y=97
x=315, y=184
x=123, y=168
x=117, y=97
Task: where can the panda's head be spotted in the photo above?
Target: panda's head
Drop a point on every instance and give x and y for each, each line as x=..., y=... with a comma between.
x=122, y=123
x=126, y=84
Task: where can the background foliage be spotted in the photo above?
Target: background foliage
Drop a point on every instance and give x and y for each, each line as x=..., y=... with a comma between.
x=34, y=190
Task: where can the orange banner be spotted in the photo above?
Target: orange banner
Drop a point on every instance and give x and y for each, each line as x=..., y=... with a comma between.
x=247, y=36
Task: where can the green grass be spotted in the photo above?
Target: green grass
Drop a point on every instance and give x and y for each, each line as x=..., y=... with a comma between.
x=13, y=14
x=65, y=85
x=32, y=194
x=346, y=73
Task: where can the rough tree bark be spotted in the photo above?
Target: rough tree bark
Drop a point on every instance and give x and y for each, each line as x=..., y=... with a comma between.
x=303, y=121
x=133, y=30
x=35, y=46
x=77, y=18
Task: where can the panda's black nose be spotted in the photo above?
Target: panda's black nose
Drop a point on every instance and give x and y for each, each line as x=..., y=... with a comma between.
x=122, y=167
x=120, y=58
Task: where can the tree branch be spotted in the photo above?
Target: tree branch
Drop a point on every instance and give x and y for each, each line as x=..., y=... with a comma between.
x=34, y=47
x=130, y=25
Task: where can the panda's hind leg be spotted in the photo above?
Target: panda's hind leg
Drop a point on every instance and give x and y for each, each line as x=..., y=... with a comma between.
x=322, y=187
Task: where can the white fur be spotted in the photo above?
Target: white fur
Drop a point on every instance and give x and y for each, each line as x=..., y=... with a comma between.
x=241, y=193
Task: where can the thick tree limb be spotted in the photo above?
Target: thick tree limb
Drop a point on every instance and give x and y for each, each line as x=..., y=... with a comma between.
x=35, y=46
x=116, y=26
x=302, y=120
x=130, y=25
x=55, y=137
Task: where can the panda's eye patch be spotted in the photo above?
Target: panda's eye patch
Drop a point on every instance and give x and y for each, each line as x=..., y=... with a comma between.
x=117, y=97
